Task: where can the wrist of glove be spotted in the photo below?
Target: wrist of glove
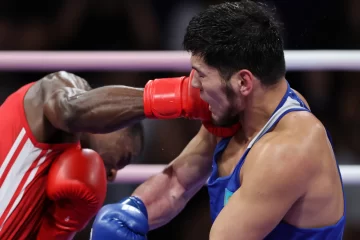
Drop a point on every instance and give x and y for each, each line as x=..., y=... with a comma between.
x=222, y=132
x=125, y=220
x=170, y=98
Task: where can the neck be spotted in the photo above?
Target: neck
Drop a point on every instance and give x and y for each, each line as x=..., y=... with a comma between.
x=260, y=105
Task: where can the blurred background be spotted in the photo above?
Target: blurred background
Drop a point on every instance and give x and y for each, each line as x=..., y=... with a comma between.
x=159, y=25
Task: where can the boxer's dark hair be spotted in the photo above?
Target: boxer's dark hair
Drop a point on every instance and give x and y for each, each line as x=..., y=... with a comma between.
x=238, y=35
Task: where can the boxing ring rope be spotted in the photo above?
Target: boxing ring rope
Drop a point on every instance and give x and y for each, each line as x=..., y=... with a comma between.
x=168, y=61
x=159, y=60
x=138, y=173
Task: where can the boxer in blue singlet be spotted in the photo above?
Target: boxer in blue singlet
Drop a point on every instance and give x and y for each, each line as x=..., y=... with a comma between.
x=276, y=177
x=222, y=188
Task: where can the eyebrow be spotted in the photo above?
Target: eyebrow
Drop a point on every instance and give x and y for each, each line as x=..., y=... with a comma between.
x=195, y=68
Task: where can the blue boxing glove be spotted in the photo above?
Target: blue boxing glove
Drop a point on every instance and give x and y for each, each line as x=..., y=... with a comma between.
x=126, y=220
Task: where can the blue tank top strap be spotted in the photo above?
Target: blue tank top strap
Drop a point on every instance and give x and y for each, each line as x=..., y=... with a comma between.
x=289, y=103
x=220, y=147
x=222, y=144
x=283, y=100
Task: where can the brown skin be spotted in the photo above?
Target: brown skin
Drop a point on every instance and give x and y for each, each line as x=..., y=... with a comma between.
x=289, y=175
x=62, y=108
x=117, y=148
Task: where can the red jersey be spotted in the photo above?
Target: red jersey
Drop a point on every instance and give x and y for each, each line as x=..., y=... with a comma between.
x=24, y=164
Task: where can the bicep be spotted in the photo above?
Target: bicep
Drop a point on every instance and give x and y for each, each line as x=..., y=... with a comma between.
x=256, y=211
x=265, y=196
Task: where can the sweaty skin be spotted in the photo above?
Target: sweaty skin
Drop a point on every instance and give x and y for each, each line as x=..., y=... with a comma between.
x=61, y=105
x=290, y=174
x=294, y=172
x=168, y=192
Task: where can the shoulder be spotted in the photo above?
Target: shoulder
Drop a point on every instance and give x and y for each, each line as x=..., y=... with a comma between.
x=62, y=79
x=303, y=128
x=290, y=150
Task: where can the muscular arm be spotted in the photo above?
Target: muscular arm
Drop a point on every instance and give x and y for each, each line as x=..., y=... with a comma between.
x=167, y=193
x=268, y=190
x=75, y=107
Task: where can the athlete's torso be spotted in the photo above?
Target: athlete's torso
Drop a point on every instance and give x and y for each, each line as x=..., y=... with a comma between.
x=24, y=164
x=221, y=188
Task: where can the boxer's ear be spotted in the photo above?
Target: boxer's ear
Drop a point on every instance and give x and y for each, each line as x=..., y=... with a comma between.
x=245, y=80
x=111, y=175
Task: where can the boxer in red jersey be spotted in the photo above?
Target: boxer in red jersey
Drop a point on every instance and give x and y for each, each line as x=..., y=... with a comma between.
x=47, y=121
x=42, y=120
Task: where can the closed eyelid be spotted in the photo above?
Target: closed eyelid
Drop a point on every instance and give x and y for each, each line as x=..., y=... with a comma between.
x=198, y=71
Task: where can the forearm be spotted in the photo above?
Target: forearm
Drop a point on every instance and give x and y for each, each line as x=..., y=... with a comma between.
x=163, y=196
x=167, y=193
x=100, y=110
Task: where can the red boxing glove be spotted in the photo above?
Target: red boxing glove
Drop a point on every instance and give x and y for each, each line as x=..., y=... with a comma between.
x=77, y=186
x=169, y=98
x=223, y=132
